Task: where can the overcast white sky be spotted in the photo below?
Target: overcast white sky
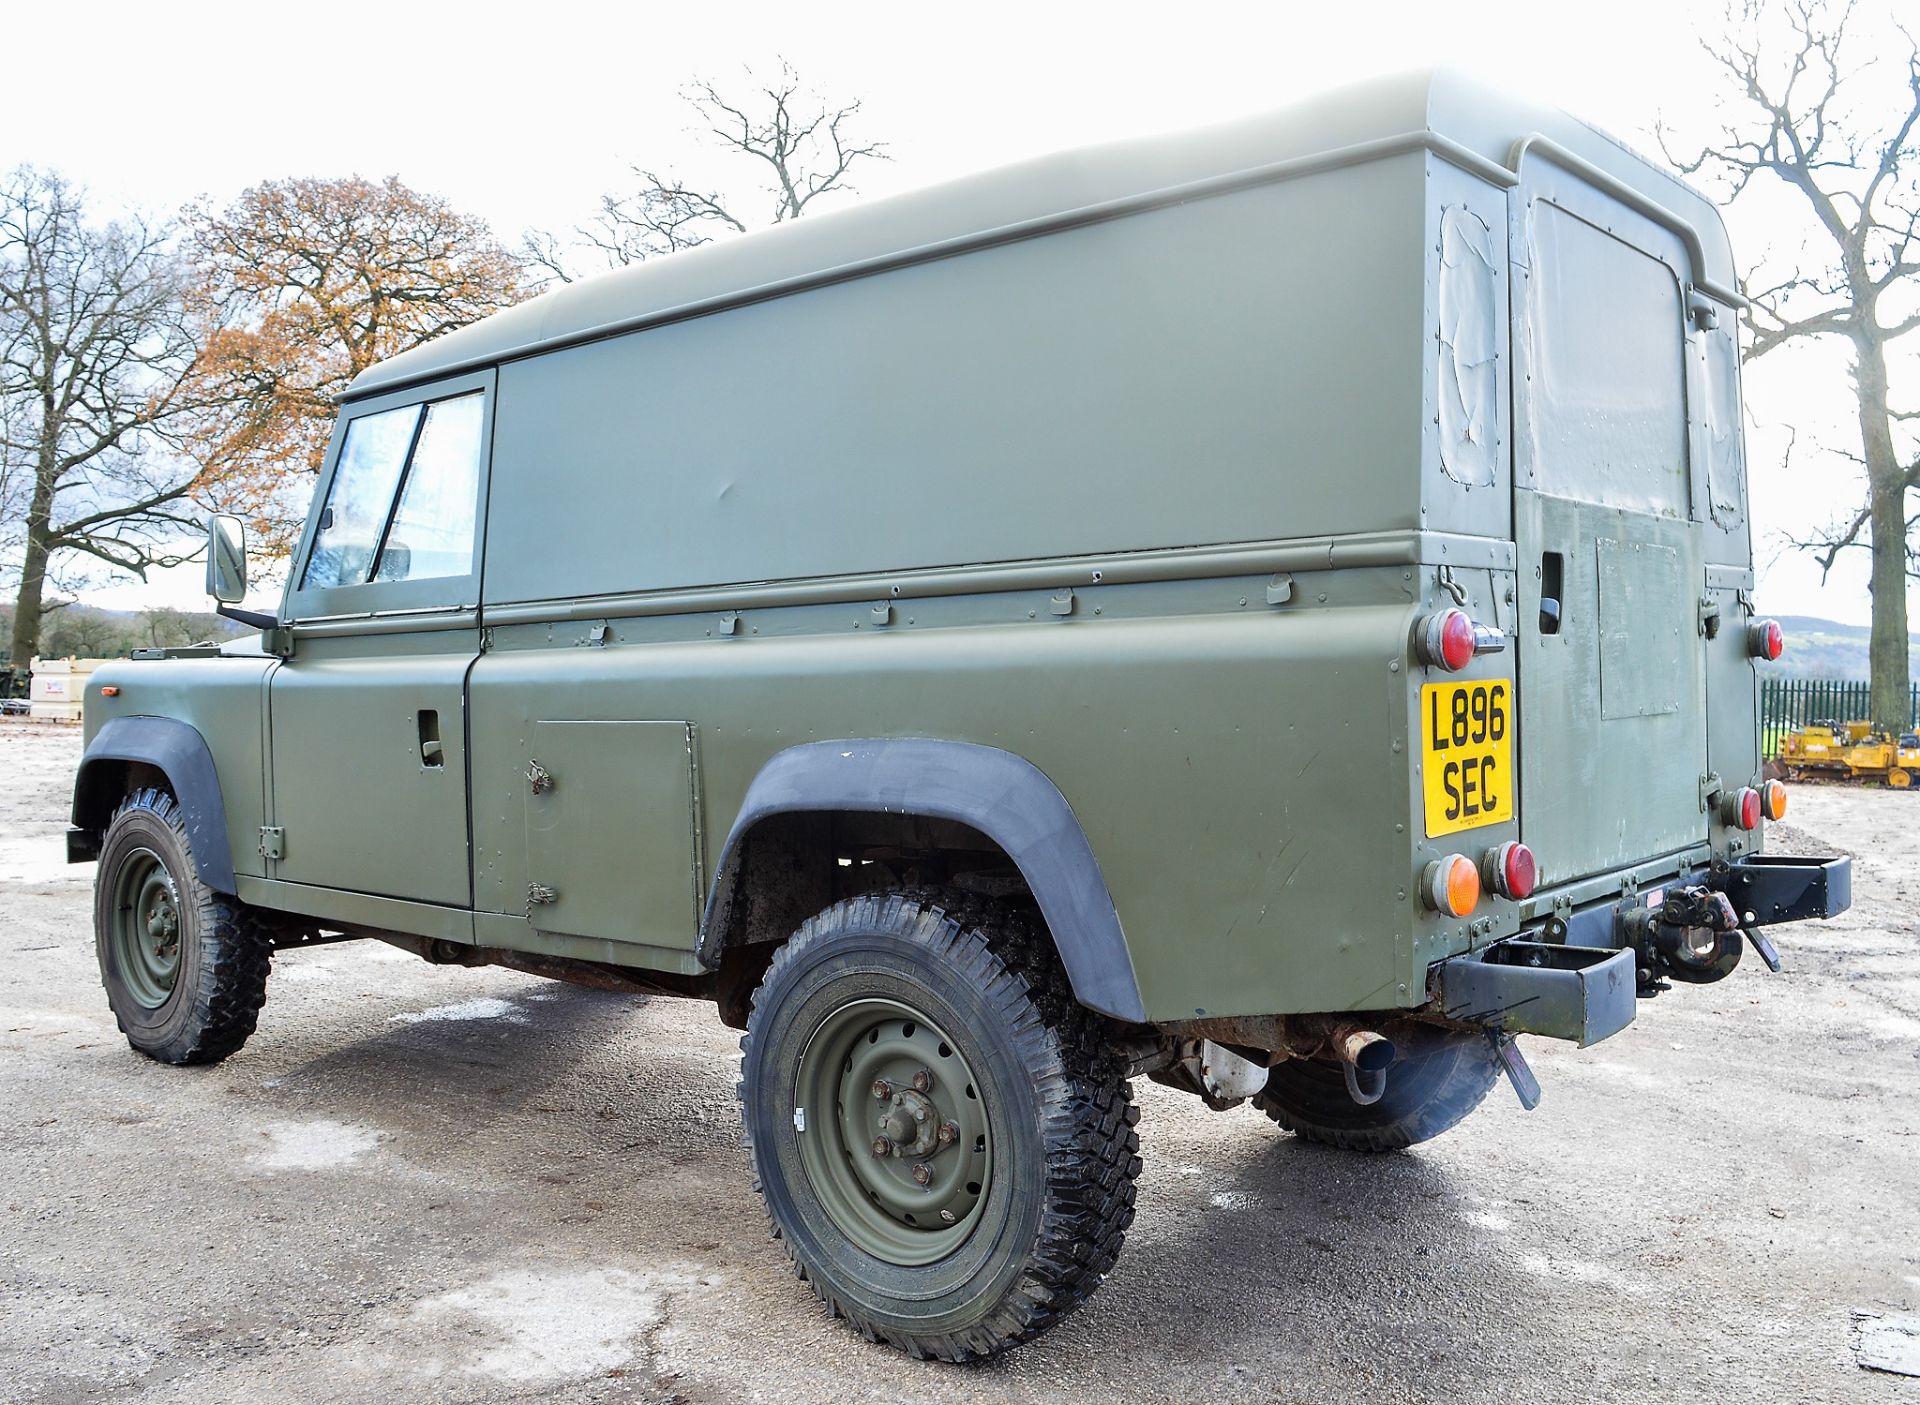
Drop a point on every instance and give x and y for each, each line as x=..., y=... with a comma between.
x=525, y=113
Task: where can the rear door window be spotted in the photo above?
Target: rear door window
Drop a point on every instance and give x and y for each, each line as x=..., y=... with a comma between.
x=1609, y=409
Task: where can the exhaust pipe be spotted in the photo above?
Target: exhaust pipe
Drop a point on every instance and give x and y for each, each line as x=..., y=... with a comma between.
x=1365, y=1055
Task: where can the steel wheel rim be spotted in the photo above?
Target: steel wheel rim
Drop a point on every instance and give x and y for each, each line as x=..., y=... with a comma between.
x=147, y=928
x=856, y=1090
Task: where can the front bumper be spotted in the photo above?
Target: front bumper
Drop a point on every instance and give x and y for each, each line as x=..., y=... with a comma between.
x=1584, y=986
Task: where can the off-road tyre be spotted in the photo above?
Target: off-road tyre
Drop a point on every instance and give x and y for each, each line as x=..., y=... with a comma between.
x=1430, y=1089
x=221, y=954
x=1052, y=1215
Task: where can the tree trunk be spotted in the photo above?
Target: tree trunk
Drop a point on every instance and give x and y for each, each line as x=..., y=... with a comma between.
x=1887, y=653
x=1888, y=692
x=29, y=603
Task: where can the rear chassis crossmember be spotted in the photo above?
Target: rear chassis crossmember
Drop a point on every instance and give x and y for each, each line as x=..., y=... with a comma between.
x=1585, y=985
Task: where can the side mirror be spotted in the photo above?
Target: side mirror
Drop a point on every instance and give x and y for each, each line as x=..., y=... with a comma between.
x=226, y=558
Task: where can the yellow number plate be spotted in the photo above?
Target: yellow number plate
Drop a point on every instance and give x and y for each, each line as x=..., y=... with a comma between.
x=1467, y=749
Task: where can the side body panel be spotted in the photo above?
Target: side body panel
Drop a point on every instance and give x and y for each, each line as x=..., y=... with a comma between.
x=1047, y=398
x=1235, y=369
x=1231, y=762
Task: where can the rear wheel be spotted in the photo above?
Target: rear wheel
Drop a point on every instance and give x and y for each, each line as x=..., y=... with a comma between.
x=943, y=1139
x=185, y=967
x=1429, y=1090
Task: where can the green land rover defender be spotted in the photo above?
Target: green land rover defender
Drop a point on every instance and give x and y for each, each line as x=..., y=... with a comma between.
x=1267, y=609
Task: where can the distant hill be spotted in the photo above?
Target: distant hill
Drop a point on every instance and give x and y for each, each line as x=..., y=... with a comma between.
x=1826, y=649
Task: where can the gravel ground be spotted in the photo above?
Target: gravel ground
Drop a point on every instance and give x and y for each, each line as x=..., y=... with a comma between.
x=420, y=1183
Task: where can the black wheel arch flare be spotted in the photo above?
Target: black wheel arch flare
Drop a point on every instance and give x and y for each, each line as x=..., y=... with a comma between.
x=1003, y=795
x=178, y=752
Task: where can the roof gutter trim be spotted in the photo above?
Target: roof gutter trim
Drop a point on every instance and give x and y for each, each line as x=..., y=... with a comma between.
x=1550, y=150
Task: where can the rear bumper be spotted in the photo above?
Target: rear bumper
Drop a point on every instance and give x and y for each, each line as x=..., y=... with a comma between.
x=1582, y=993
x=1583, y=987
x=1769, y=888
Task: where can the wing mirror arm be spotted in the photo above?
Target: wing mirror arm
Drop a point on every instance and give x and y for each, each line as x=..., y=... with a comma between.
x=255, y=618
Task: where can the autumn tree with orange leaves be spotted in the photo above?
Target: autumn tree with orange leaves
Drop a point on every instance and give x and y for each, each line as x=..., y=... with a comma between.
x=302, y=285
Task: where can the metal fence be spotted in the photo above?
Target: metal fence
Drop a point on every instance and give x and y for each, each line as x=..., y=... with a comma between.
x=1786, y=703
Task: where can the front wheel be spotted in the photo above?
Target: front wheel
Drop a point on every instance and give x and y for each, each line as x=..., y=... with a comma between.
x=185, y=967
x=1430, y=1089
x=943, y=1139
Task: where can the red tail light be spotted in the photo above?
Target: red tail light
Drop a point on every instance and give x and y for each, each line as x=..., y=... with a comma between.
x=1445, y=639
x=1741, y=808
x=1509, y=870
x=1766, y=640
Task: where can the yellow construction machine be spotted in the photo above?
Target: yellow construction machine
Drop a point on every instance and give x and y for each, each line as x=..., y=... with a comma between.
x=1850, y=751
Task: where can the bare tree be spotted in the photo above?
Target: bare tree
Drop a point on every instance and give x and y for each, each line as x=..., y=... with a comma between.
x=805, y=146
x=1800, y=116
x=95, y=353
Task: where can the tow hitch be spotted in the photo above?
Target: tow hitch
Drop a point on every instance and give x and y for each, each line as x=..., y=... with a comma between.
x=1584, y=984
x=1694, y=936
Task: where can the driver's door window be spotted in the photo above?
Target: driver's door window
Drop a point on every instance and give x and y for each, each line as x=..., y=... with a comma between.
x=403, y=499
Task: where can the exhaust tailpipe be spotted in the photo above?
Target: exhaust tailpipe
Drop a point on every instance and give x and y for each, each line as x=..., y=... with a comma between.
x=1365, y=1056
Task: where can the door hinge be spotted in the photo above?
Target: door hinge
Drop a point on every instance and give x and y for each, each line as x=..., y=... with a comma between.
x=1710, y=788
x=1704, y=310
x=273, y=841
x=1709, y=617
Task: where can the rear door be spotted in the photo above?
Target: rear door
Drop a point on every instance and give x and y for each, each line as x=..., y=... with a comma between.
x=1608, y=529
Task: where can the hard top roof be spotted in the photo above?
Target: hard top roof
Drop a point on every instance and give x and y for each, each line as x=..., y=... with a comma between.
x=1442, y=103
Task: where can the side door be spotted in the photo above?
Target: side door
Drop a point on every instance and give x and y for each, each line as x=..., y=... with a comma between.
x=1609, y=517
x=368, y=716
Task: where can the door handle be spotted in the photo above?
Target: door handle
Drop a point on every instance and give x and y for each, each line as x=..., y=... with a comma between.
x=431, y=751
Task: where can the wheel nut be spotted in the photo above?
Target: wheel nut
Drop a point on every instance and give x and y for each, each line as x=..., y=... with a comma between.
x=922, y=1173
x=919, y=1114
x=922, y=1081
x=881, y=1146
x=882, y=1089
x=949, y=1133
